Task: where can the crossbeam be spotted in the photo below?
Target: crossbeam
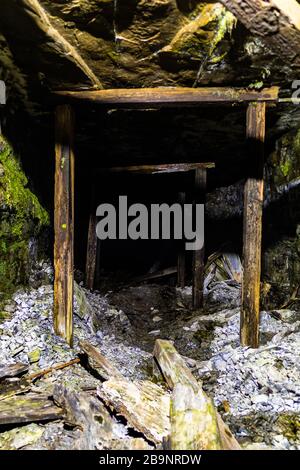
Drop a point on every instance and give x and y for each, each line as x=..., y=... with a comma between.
x=161, y=168
x=171, y=96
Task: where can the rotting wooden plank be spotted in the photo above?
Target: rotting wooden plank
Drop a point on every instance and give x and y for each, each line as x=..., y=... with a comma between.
x=194, y=424
x=181, y=258
x=198, y=255
x=92, y=243
x=175, y=370
x=253, y=209
x=27, y=409
x=145, y=405
x=64, y=222
x=170, y=96
x=13, y=370
x=10, y=388
x=98, y=362
x=159, y=168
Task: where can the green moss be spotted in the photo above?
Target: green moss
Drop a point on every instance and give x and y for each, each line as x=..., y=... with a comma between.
x=21, y=218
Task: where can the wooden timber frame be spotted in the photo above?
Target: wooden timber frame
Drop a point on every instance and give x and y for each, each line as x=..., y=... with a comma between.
x=147, y=98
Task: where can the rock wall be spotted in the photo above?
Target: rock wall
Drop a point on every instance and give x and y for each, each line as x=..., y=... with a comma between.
x=21, y=220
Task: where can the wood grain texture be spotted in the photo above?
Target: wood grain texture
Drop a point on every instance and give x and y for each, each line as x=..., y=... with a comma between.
x=28, y=409
x=174, y=97
x=181, y=258
x=253, y=208
x=92, y=244
x=145, y=406
x=198, y=255
x=160, y=168
x=175, y=370
x=64, y=222
x=193, y=420
x=277, y=22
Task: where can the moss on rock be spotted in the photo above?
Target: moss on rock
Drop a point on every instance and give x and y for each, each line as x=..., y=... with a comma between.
x=21, y=219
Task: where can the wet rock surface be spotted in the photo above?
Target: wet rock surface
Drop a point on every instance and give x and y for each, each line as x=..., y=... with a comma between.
x=256, y=391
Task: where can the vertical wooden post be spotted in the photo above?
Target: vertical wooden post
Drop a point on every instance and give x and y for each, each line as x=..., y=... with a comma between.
x=64, y=222
x=198, y=256
x=92, y=241
x=181, y=252
x=253, y=208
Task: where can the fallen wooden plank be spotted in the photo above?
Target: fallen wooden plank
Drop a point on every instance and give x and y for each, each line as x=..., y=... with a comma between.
x=176, y=96
x=12, y=370
x=145, y=405
x=98, y=362
x=158, y=169
x=194, y=424
x=175, y=371
x=27, y=409
x=10, y=388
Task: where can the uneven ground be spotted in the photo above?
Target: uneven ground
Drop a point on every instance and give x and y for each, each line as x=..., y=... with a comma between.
x=257, y=391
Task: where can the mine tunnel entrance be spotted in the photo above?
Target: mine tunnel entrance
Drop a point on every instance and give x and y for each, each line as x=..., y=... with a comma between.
x=254, y=189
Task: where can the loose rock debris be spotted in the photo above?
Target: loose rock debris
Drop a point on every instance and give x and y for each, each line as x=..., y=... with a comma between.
x=255, y=391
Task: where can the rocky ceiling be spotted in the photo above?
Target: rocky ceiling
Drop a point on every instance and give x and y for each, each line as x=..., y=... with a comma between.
x=47, y=45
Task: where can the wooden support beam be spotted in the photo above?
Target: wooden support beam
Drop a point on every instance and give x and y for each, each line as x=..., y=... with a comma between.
x=253, y=208
x=159, y=169
x=170, y=97
x=181, y=252
x=92, y=244
x=64, y=222
x=198, y=255
x=277, y=22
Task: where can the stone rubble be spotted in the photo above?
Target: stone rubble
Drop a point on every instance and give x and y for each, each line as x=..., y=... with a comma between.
x=256, y=391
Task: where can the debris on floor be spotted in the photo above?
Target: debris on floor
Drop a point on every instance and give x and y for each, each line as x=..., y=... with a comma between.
x=72, y=398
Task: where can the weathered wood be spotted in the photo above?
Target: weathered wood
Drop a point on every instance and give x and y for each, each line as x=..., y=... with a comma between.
x=253, y=208
x=44, y=372
x=13, y=370
x=27, y=409
x=10, y=388
x=145, y=406
x=64, y=222
x=92, y=243
x=175, y=97
x=159, y=169
x=277, y=22
x=181, y=258
x=98, y=362
x=175, y=371
x=198, y=255
x=193, y=419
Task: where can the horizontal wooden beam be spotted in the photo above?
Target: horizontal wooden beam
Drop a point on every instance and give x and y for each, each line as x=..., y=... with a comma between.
x=171, y=97
x=158, y=169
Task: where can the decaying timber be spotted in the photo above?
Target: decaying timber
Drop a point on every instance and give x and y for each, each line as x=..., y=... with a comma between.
x=277, y=22
x=175, y=371
x=10, y=388
x=13, y=370
x=64, y=223
x=145, y=405
x=98, y=362
x=198, y=254
x=193, y=420
x=159, y=169
x=181, y=258
x=28, y=409
x=253, y=208
x=170, y=97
